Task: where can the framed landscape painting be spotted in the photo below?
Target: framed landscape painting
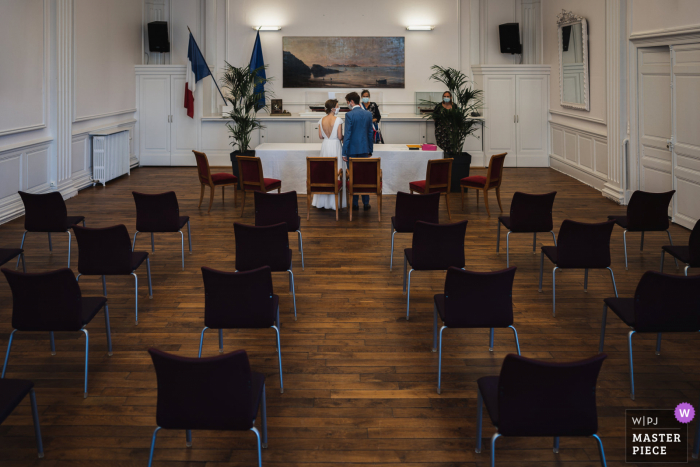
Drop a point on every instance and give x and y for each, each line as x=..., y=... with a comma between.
x=343, y=62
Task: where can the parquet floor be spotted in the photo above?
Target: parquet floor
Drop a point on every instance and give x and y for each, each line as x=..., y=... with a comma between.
x=360, y=380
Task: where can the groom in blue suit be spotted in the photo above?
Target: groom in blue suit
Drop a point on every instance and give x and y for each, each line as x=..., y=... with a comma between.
x=359, y=137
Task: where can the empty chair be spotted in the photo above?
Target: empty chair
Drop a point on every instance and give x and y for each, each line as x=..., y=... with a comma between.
x=365, y=177
x=52, y=302
x=206, y=178
x=435, y=247
x=216, y=393
x=580, y=246
x=47, y=213
x=538, y=398
x=474, y=300
x=107, y=252
x=160, y=213
x=438, y=176
x=251, y=172
x=689, y=254
x=661, y=303
x=528, y=214
x=240, y=300
x=273, y=208
x=12, y=391
x=493, y=178
x=257, y=247
x=409, y=210
x=322, y=179
x=646, y=212
x=6, y=254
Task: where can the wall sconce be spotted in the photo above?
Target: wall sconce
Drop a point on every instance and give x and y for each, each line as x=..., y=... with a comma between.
x=420, y=28
x=267, y=28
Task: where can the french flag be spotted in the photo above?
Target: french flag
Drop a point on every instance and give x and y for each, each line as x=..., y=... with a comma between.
x=196, y=69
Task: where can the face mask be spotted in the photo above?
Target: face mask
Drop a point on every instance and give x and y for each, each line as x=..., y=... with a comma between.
x=349, y=105
x=365, y=99
x=446, y=100
x=335, y=111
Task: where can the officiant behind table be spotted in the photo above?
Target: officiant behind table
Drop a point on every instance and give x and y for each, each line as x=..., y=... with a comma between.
x=376, y=116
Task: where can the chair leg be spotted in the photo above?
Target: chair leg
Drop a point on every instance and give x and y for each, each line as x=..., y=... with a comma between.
x=50, y=246
x=555, y=448
x=554, y=290
x=223, y=194
x=136, y=297
x=507, y=247
x=21, y=246
x=201, y=341
x=498, y=197
x=479, y=418
x=188, y=438
x=405, y=262
x=153, y=242
x=658, y=344
x=476, y=190
x=212, y=192
x=150, y=285
x=133, y=244
x=515, y=334
x=294, y=295
x=553, y=237
x=263, y=417
x=279, y=357
x=108, y=330
x=541, y=270
x=641, y=244
x=671, y=241
x=337, y=207
x=153, y=445
x=493, y=448
x=235, y=196
x=70, y=237
x=257, y=434
x=435, y=323
x=585, y=280
x=182, y=249
x=7, y=354
x=379, y=203
x=201, y=195
x=189, y=236
x=52, y=342
x=491, y=340
x=534, y=243
x=612, y=276
x=301, y=249
x=243, y=203
x=87, y=351
x=601, y=451
x=24, y=265
x=624, y=243
x=408, y=294
x=37, y=427
x=663, y=254
x=686, y=270
x=629, y=343
x=391, y=260
x=498, y=237
x=462, y=190
x=440, y=360
x=447, y=203
x=603, y=324
x=486, y=202
x=308, y=206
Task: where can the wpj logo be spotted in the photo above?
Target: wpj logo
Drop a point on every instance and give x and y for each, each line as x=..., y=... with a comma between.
x=658, y=436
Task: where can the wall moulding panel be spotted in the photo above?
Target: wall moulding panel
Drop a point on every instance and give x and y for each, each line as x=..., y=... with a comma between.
x=23, y=168
x=580, y=154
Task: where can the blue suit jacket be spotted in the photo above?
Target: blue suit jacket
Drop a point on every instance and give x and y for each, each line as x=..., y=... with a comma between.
x=359, y=134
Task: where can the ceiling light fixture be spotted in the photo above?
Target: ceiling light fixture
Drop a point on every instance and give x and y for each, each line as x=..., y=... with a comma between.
x=267, y=28
x=420, y=28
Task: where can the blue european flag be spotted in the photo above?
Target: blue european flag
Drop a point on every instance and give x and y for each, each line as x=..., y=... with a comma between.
x=256, y=61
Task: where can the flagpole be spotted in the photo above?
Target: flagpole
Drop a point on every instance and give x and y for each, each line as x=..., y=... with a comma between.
x=205, y=62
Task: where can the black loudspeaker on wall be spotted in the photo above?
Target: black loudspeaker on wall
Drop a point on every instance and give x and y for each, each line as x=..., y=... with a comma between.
x=158, y=37
x=509, y=35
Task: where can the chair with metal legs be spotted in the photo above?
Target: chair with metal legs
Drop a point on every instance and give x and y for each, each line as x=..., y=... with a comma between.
x=435, y=247
x=6, y=254
x=690, y=254
x=646, y=212
x=541, y=398
x=107, y=252
x=215, y=393
x=273, y=208
x=411, y=209
x=240, y=300
x=47, y=213
x=661, y=303
x=52, y=302
x=12, y=392
x=580, y=246
x=474, y=300
x=528, y=214
x=156, y=213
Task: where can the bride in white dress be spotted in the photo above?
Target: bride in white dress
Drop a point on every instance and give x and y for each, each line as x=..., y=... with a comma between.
x=330, y=130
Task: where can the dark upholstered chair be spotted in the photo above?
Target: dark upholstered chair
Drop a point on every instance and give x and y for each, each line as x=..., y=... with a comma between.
x=257, y=247
x=646, y=212
x=437, y=180
x=661, y=303
x=52, y=302
x=107, y=252
x=580, y=246
x=6, y=254
x=47, y=213
x=493, y=178
x=160, y=213
x=474, y=300
x=410, y=209
x=322, y=179
x=216, y=393
x=251, y=172
x=240, y=300
x=365, y=178
x=273, y=208
x=689, y=254
x=538, y=398
x=206, y=178
x=12, y=391
x=435, y=247
x=528, y=214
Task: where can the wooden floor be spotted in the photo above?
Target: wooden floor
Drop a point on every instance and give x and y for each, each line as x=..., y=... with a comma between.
x=359, y=379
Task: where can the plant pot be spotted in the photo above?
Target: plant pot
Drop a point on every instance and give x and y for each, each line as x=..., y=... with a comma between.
x=460, y=169
x=234, y=162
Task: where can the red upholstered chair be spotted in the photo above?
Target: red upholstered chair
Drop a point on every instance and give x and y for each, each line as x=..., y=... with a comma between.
x=252, y=179
x=365, y=177
x=491, y=180
x=213, y=180
x=437, y=180
x=322, y=178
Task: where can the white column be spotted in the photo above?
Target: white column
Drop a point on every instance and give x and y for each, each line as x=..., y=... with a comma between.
x=64, y=101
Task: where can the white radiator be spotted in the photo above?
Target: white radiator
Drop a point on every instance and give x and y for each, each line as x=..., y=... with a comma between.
x=110, y=155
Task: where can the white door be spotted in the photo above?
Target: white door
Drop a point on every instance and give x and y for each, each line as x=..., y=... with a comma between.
x=283, y=132
x=686, y=139
x=154, y=116
x=531, y=121
x=311, y=130
x=183, y=131
x=500, y=117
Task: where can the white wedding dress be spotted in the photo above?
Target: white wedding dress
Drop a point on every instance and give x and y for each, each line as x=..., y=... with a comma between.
x=330, y=147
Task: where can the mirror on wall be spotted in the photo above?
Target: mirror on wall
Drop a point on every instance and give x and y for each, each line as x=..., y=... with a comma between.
x=573, y=61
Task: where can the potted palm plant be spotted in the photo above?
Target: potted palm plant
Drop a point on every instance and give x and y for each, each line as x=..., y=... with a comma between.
x=457, y=122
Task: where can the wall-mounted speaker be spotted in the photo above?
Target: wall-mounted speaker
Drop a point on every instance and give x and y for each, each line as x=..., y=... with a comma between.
x=509, y=35
x=158, y=37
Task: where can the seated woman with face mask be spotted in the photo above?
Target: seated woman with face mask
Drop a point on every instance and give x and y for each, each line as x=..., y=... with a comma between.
x=441, y=137
x=376, y=116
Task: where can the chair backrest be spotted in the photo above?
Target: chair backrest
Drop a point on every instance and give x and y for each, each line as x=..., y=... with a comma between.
x=479, y=299
x=531, y=213
x=44, y=212
x=158, y=212
x=494, y=174
x=238, y=299
x=538, y=398
x=365, y=173
x=438, y=246
x=250, y=173
x=413, y=208
x=105, y=251
x=262, y=246
x=582, y=245
x=694, y=245
x=648, y=211
x=321, y=175
x=213, y=393
x=203, y=168
x=667, y=303
x=273, y=208
x=45, y=301
x=438, y=176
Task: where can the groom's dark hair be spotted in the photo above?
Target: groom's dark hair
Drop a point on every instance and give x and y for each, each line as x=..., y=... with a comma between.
x=353, y=96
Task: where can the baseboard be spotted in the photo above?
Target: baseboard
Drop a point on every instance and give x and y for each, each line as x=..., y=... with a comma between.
x=584, y=177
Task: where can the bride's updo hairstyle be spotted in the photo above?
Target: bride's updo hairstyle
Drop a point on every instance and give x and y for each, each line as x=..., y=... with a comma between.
x=330, y=105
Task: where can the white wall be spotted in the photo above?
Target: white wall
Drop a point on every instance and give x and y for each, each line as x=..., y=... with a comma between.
x=664, y=15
